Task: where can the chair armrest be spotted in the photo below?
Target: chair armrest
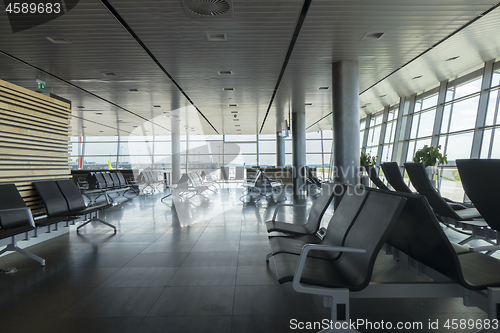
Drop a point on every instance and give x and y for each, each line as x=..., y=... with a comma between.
x=28, y=211
x=282, y=205
x=485, y=248
x=302, y=261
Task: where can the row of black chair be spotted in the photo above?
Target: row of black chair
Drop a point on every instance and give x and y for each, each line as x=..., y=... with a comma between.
x=260, y=184
x=343, y=261
x=62, y=198
x=189, y=185
x=107, y=182
x=16, y=219
x=453, y=214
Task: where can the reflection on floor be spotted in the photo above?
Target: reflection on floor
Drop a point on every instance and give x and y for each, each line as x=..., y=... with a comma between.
x=193, y=267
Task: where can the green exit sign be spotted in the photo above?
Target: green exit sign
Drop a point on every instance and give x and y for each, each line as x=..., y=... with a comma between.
x=40, y=84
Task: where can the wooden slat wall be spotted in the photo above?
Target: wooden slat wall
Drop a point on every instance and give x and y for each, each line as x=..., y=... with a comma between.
x=34, y=140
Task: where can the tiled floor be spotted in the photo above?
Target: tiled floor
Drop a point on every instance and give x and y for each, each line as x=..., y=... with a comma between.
x=194, y=267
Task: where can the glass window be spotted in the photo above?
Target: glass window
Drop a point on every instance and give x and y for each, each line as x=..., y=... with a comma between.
x=362, y=124
x=426, y=124
x=390, y=132
x=464, y=89
x=386, y=153
x=429, y=102
x=288, y=146
x=373, y=136
x=464, y=114
x=327, y=146
x=459, y=146
x=495, y=149
x=267, y=137
x=314, y=160
x=313, y=135
x=492, y=108
x=485, y=145
x=288, y=159
x=267, y=147
x=327, y=134
x=495, y=80
x=101, y=148
x=267, y=160
x=313, y=146
x=248, y=148
x=236, y=138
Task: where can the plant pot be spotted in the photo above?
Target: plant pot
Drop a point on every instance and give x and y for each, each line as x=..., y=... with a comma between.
x=432, y=172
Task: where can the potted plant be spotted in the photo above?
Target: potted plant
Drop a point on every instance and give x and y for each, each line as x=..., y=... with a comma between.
x=430, y=157
x=366, y=159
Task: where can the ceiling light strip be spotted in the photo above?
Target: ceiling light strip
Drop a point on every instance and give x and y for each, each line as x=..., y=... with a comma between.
x=80, y=88
x=138, y=40
x=302, y=17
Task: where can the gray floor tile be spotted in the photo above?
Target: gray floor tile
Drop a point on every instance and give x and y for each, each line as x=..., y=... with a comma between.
x=199, y=259
x=140, y=277
x=204, y=276
x=194, y=301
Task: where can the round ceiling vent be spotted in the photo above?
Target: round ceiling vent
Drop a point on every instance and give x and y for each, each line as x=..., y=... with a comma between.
x=208, y=7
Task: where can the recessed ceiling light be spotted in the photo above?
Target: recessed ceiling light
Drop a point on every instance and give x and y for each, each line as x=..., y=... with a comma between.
x=364, y=106
x=108, y=74
x=101, y=131
x=372, y=35
x=236, y=119
x=324, y=88
x=84, y=126
x=228, y=89
x=99, y=113
x=80, y=107
x=120, y=120
x=452, y=58
x=417, y=77
x=234, y=111
x=382, y=95
x=237, y=125
x=58, y=40
x=309, y=104
x=157, y=106
x=133, y=90
x=225, y=72
x=216, y=37
x=135, y=126
x=233, y=104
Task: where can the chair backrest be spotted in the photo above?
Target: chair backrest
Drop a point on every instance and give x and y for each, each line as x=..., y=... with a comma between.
x=108, y=179
x=224, y=173
x=393, y=176
x=101, y=182
x=116, y=181
x=52, y=198
x=194, y=179
x=70, y=191
x=422, y=183
x=319, y=207
x=480, y=179
x=373, y=174
x=239, y=173
x=369, y=231
x=419, y=234
x=9, y=199
x=313, y=179
x=183, y=182
x=122, y=180
x=343, y=217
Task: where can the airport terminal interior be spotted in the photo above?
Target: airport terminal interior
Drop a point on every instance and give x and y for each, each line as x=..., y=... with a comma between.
x=149, y=149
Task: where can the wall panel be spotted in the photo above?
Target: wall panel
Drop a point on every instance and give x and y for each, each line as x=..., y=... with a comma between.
x=34, y=140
